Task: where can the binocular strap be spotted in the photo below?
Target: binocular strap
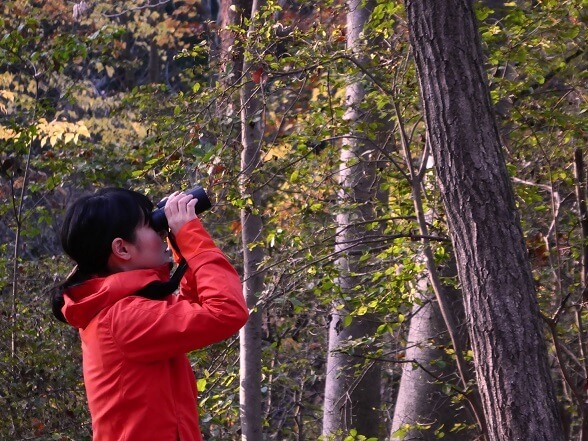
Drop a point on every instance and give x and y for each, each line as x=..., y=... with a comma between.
x=159, y=290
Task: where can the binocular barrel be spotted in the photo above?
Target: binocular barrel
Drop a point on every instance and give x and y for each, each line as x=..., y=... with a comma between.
x=158, y=219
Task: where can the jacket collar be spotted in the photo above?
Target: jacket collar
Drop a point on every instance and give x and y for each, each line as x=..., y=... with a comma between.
x=84, y=301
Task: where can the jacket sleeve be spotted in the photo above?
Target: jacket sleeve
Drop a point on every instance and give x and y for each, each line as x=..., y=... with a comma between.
x=191, y=240
x=210, y=309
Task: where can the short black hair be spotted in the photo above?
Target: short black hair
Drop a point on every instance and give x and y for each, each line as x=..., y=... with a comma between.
x=92, y=222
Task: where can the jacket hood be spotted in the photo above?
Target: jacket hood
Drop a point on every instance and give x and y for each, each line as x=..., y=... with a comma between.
x=84, y=301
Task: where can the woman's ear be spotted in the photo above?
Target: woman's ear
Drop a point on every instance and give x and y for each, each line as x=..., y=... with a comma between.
x=120, y=249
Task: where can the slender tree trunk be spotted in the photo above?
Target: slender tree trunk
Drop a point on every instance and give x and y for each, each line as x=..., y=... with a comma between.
x=509, y=348
x=154, y=66
x=230, y=54
x=250, y=335
x=422, y=402
x=18, y=204
x=352, y=395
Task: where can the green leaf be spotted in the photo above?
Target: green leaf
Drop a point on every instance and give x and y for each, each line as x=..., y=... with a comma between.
x=347, y=320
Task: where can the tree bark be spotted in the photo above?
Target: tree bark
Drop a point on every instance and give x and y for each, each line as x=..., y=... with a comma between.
x=580, y=392
x=421, y=402
x=503, y=316
x=228, y=52
x=352, y=395
x=251, y=333
x=154, y=66
x=231, y=13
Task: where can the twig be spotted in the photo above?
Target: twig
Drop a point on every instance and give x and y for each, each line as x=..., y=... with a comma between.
x=138, y=8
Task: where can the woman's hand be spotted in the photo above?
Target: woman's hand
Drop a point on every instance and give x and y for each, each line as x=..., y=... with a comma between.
x=179, y=210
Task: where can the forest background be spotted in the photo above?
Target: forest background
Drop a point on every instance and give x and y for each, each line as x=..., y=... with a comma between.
x=303, y=120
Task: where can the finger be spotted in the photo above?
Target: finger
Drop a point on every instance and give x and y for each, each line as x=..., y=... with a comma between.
x=192, y=205
x=170, y=197
x=173, y=198
x=183, y=201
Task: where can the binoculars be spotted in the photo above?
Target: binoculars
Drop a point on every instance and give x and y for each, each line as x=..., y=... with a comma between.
x=158, y=219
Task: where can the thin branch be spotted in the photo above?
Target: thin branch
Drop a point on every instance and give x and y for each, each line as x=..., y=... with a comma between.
x=566, y=375
x=583, y=216
x=138, y=8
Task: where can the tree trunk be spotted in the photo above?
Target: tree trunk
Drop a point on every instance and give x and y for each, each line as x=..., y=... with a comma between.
x=503, y=316
x=422, y=403
x=352, y=394
x=228, y=52
x=154, y=66
x=231, y=13
x=250, y=335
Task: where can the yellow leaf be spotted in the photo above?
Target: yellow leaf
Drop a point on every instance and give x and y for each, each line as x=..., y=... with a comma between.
x=109, y=71
x=58, y=128
x=139, y=129
x=53, y=140
x=8, y=95
x=201, y=384
x=277, y=152
x=6, y=133
x=83, y=131
x=68, y=137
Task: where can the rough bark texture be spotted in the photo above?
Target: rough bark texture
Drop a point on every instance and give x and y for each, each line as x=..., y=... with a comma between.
x=503, y=317
x=352, y=394
x=251, y=333
x=421, y=402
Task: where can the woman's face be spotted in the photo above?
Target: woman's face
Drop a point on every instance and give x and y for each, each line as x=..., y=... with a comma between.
x=149, y=249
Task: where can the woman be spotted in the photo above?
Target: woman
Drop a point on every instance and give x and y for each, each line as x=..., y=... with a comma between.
x=135, y=333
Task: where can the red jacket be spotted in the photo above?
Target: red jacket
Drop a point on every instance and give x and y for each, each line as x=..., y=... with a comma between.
x=138, y=379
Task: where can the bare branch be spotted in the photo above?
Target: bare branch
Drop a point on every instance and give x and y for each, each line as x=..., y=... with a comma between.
x=138, y=8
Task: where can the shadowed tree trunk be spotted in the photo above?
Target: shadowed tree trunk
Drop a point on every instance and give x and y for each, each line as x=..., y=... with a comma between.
x=352, y=393
x=422, y=402
x=507, y=338
x=154, y=66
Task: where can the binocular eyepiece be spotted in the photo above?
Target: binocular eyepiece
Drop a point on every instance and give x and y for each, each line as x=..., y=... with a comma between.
x=158, y=219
